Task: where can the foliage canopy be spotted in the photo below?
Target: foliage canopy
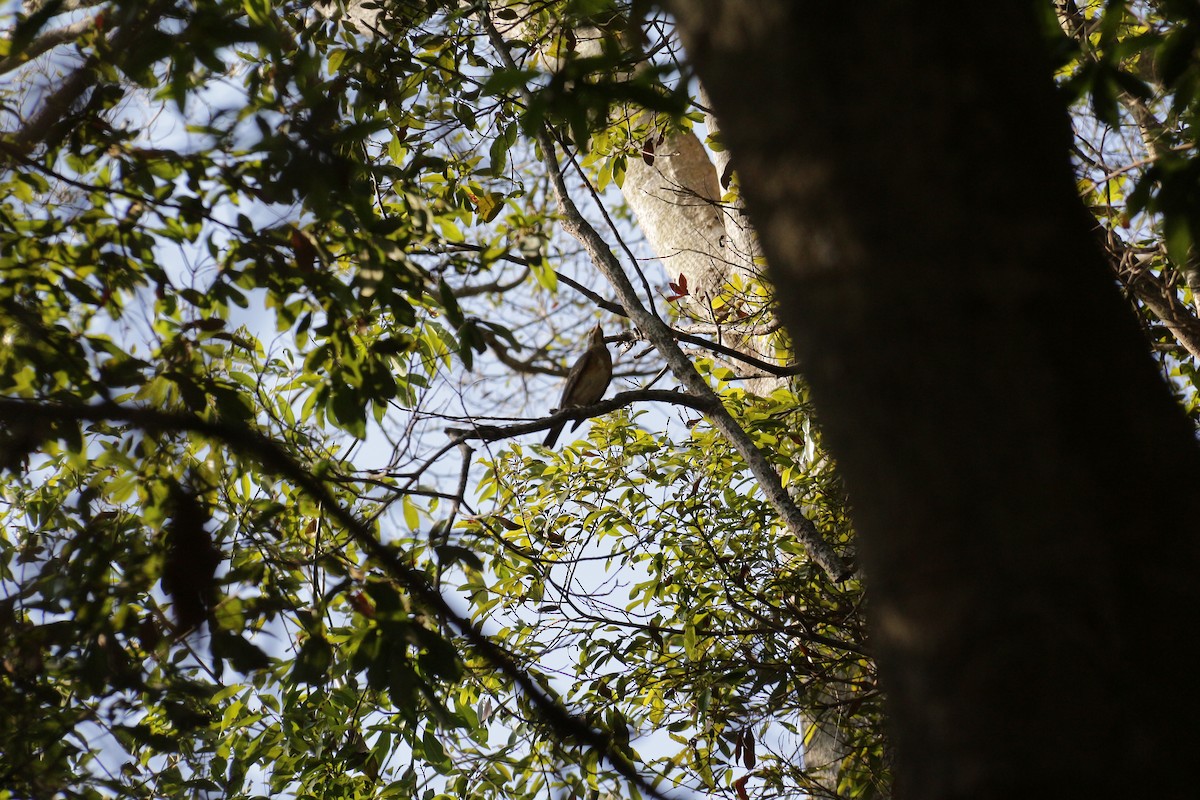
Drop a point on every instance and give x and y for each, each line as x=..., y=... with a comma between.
x=283, y=283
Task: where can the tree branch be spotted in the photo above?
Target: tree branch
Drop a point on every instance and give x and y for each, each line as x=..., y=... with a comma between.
x=47, y=41
x=494, y=433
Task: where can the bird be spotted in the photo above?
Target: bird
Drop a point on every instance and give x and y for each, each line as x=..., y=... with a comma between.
x=586, y=382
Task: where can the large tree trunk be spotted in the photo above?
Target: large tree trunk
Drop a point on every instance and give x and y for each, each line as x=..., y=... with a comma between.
x=1022, y=480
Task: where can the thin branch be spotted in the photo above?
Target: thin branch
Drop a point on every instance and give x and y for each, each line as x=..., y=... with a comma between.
x=774, y=370
x=445, y=525
x=495, y=433
x=777, y=370
x=521, y=366
x=53, y=108
x=612, y=226
x=1152, y=291
x=762, y=329
x=607, y=305
x=1141, y=162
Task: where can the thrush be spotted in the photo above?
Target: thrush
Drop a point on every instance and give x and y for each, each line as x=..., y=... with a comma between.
x=586, y=382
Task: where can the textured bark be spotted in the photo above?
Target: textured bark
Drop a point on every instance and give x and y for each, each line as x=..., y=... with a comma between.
x=1021, y=477
x=675, y=201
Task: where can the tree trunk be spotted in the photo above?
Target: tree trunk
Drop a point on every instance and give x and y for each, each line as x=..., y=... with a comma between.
x=1021, y=477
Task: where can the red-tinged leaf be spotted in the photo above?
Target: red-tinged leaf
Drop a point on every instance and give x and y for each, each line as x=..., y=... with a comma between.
x=488, y=205
x=750, y=758
x=679, y=288
x=648, y=152
x=303, y=250
x=363, y=605
x=739, y=786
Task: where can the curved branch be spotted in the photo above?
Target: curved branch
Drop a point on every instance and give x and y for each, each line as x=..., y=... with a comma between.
x=607, y=305
x=1154, y=293
x=494, y=287
x=777, y=370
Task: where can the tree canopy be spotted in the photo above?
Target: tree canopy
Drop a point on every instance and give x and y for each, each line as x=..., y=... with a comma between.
x=287, y=292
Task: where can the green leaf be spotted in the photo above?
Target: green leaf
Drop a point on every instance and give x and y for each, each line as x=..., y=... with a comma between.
x=1177, y=235
x=690, y=639
x=240, y=653
x=449, y=554
x=259, y=11
x=412, y=515
x=313, y=661
x=335, y=58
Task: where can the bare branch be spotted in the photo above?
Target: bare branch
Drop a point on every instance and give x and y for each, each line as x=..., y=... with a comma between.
x=493, y=433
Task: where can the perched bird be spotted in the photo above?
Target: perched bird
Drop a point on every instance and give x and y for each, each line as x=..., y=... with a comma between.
x=586, y=382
